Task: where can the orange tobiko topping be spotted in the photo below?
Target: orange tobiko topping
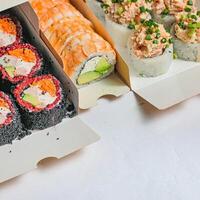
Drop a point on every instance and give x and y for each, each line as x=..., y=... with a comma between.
x=3, y=103
x=46, y=85
x=25, y=54
x=8, y=26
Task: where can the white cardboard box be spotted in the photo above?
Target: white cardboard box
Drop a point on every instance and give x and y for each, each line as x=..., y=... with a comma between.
x=58, y=141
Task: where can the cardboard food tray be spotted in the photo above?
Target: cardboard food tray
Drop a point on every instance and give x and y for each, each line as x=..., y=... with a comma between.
x=58, y=141
x=117, y=84
x=180, y=83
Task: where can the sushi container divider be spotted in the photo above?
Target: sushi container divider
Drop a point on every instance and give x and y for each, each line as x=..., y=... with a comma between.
x=117, y=84
x=61, y=140
x=180, y=83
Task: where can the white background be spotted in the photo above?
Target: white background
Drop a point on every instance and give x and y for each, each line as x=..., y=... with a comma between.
x=144, y=154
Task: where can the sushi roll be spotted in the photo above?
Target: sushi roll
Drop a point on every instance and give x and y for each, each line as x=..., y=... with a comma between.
x=186, y=32
x=19, y=62
x=165, y=11
x=87, y=58
x=151, y=49
x=42, y=102
x=10, y=31
x=97, y=7
x=122, y=17
x=10, y=123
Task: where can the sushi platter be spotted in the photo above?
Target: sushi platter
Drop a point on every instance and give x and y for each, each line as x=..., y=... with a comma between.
x=159, y=80
x=38, y=102
x=57, y=57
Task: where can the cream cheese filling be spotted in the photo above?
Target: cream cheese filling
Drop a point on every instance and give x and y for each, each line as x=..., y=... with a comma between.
x=22, y=68
x=90, y=65
x=42, y=99
x=6, y=39
x=3, y=114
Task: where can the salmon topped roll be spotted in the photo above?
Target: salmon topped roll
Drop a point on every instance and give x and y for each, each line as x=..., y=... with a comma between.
x=10, y=122
x=19, y=62
x=164, y=11
x=151, y=49
x=42, y=102
x=186, y=32
x=87, y=58
x=10, y=31
x=122, y=16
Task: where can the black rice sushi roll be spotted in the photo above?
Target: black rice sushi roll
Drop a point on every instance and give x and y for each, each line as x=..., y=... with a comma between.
x=17, y=63
x=10, y=31
x=42, y=102
x=10, y=124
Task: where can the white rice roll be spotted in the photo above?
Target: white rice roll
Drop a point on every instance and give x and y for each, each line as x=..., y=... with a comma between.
x=167, y=20
x=151, y=67
x=119, y=33
x=186, y=51
x=95, y=6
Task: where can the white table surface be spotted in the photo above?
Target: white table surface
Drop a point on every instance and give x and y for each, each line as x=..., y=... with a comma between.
x=144, y=154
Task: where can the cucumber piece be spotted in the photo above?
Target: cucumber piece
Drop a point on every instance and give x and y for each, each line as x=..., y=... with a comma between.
x=10, y=71
x=31, y=99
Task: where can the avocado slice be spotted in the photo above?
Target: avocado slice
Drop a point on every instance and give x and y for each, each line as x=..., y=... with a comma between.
x=88, y=77
x=10, y=70
x=31, y=99
x=102, y=66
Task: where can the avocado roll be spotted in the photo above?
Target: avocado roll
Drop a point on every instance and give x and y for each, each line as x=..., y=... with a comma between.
x=10, y=123
x=10, y=31
x=87, y=58
x=186, y=32
x=151, y=49
x=19, y=62
x=42, y=102
x=122, y=16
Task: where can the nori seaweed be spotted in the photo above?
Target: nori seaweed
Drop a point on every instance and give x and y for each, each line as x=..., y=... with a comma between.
x=14, y=130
